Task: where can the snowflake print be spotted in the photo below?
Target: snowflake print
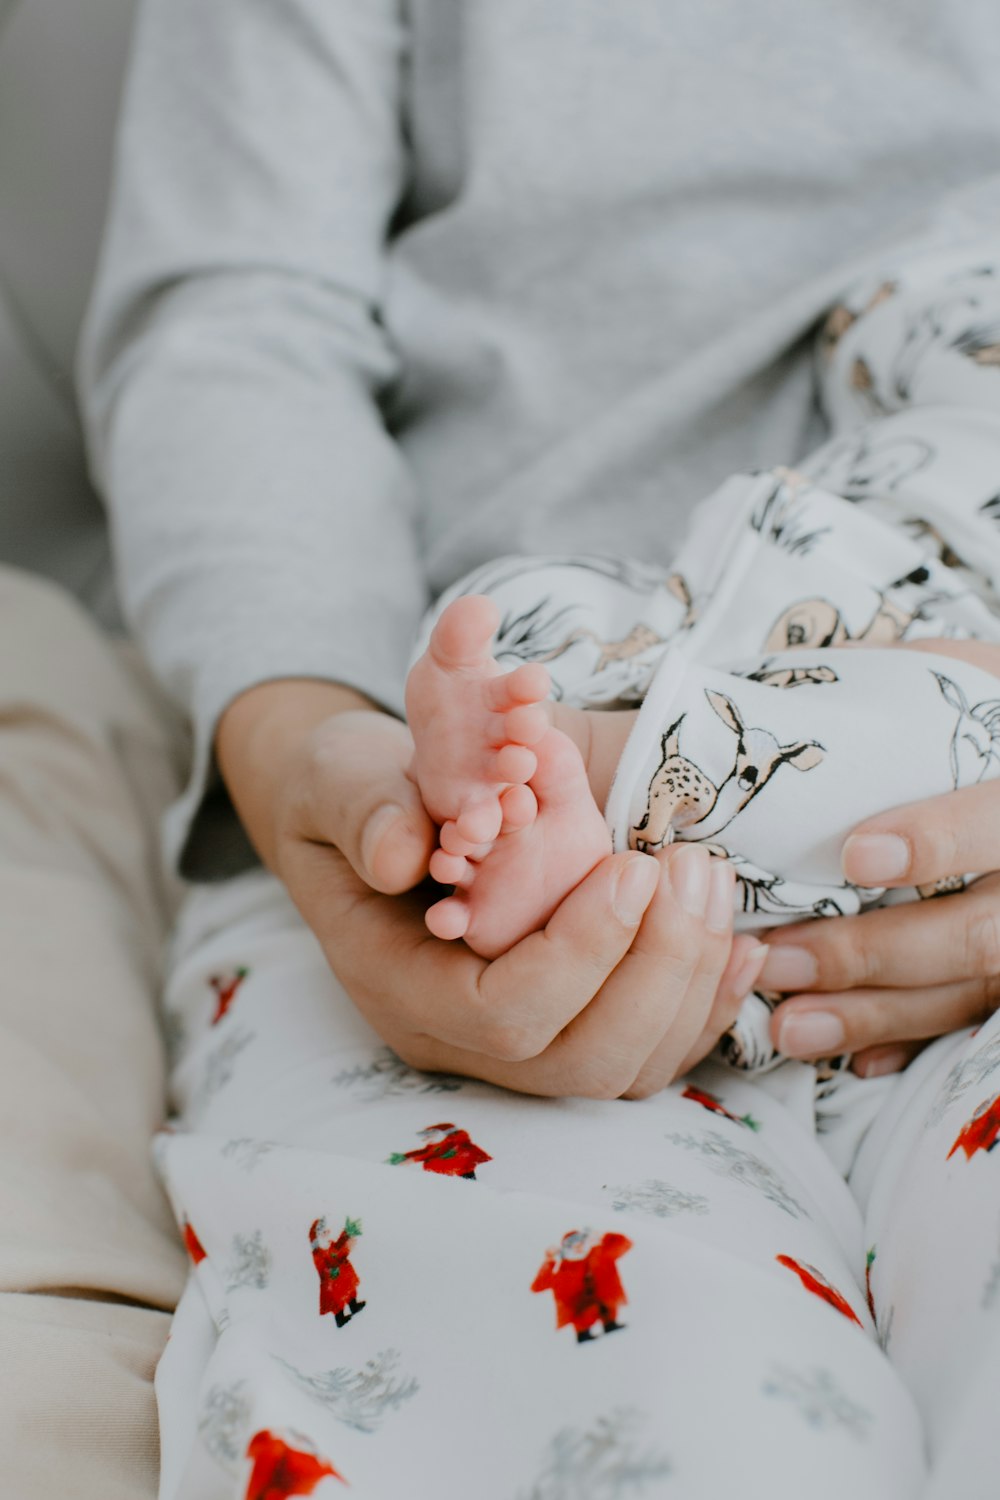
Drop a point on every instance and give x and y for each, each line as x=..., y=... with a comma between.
x=246, y=1152
x=600, y=1462
x=221, y=1064
x=967, y=1073
x=249, y=1264
x=726, y=1159
x=387, y=1076
x=224, y=1419
x=884, y=1331
x=360, y=1398
x=661, y=1200
x=819, y=1400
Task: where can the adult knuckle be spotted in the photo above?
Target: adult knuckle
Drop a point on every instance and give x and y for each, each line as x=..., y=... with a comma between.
x=613, y=1079
x=644, y=1087
x=865, y=1020
x=982, y=944
x=937, y=850
x=984, y=998
x=512, y=1040
x=415, y=1052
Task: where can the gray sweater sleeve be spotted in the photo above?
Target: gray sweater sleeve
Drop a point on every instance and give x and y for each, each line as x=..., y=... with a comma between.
x=233, y=358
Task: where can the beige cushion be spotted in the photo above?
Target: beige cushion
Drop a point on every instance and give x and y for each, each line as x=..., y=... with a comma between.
x=90, y=1263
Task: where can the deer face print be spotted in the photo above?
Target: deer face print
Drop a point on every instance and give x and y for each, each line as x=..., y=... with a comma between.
x=681, y=795
x=817, y=622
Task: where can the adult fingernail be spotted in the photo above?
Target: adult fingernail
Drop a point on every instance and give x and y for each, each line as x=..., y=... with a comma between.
x=719, y=916
x=690, y=876
x=789, y=969
x=376, y=828
x=874, y=858
x=885, y=1062
x=748, y=973
x=816, y=1033
x=635, y=888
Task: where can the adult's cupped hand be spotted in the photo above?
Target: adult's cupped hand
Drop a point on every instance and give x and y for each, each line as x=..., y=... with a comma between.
x=631, y=982
x=882, y=984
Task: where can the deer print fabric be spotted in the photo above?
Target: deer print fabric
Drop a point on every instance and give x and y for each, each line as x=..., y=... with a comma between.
x=890, y=532
x=405, y=1283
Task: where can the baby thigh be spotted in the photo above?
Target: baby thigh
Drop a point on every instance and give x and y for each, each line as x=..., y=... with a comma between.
x=425, y=1285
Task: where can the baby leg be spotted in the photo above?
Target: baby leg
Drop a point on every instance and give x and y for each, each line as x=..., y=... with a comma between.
x=370, y=1244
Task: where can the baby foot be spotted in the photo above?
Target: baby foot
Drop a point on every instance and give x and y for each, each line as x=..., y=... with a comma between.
x=513, y=888
x=472, y=726
x=512, y=850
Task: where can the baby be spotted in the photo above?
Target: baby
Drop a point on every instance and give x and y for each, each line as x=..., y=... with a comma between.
x=533, y=755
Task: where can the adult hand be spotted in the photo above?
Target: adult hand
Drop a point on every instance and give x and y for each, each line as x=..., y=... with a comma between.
x=881, y=985
x=632, y=981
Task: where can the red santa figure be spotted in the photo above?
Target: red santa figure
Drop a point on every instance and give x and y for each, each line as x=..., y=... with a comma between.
x=225, y=987
x=981, y=1132
x=582, y=1275
x=338, y=1280
x=449, y=1151
x=280, y=1471
x=814, y=1281
x=715, y=1105
x=193, y=1245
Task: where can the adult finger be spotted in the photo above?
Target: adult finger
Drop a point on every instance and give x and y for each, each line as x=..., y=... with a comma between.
x=919, y=944
x=891, y=1025
x=632, y=1038
x=672, y=967
x=746, y=959
x=924, y=842
x=509, y=1009
x=984, y=654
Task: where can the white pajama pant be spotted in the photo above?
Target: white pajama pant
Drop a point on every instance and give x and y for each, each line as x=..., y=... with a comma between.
x=774, y=1280
x=721, y=1275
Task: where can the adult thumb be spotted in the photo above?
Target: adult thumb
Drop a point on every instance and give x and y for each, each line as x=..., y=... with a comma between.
x=371, y=810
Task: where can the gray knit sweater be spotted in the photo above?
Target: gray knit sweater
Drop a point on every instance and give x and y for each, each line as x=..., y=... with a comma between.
x=394, y=286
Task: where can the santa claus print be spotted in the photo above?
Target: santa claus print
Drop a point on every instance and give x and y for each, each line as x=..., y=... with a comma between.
x=280, y=1471
x=448, y=1151
x=814, y=1281
x=338, y=1280
x=716, y=1107
x=224, y=987
x=981, y=1132
x=193, y=1245
x=582, y=1275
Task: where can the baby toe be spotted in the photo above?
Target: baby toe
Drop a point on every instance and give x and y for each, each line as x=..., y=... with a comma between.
x=452, y=841
x=520, y=807
x=526, y=725
x=527, y=684
x=462, y=635
x=516, y=763
x=448, y=919
x=480, y=822
x=448, y=869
